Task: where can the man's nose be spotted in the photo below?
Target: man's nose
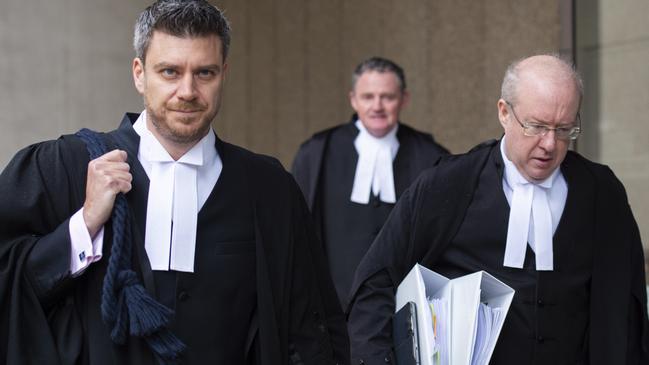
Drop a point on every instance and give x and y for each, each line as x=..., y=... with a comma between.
x=549, y=141
x=377, y=104
x=186, y=87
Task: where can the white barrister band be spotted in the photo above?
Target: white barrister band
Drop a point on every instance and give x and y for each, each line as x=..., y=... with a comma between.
x=177, y=190
x=374, y=167
x=530, y=215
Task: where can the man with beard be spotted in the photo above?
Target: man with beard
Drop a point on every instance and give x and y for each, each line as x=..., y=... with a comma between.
x=170, y=246
x=544, y=220
x=353, y=173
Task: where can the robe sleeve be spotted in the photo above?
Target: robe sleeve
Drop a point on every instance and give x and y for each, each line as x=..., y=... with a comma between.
x=419, y=228
x=307, y=164
x=377, y=277
x=619, y=323
x=300, y=168
x=38, y=194
x=318, y=329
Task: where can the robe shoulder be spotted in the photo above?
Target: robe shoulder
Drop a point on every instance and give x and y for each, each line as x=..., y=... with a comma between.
x=45, y=178
x=265, y=172
x=40, y=189
x=423, y=140
x=426, y=216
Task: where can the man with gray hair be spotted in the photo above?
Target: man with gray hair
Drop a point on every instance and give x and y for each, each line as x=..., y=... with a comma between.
x=352, y=174
x=158, y=242
x=551, y=224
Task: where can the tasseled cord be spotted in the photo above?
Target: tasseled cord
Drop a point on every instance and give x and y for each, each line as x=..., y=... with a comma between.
x=126, y=307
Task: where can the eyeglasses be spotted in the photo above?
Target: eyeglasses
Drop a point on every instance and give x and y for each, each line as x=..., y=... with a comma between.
x=535, y=129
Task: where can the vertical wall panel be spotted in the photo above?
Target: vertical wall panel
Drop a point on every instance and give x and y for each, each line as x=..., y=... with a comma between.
x=64, y=64
x=233, y=121
x=612, y=50
x=456, y=53
x=322, y=61
x=290, y=68
x=262, y=70
x=406, y=34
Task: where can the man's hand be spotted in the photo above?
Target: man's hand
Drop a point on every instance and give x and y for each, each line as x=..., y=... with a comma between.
x=108, y=175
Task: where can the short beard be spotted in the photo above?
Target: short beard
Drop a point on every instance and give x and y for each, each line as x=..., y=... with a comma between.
x=176, y=136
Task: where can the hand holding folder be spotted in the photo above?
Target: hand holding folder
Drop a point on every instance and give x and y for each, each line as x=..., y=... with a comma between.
x=463, y=331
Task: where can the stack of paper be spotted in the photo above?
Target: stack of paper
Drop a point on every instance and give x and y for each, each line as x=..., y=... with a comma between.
x=460, y=318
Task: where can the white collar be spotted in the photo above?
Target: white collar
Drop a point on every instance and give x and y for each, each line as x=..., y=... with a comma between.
x=530, y=217
x=512, y=176
x=177, y=190
x=151, y=150
x=374, y=167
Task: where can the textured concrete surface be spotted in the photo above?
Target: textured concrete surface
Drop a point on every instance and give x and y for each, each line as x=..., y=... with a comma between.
x=66, y=64
x=613, y=49
x=63, y=65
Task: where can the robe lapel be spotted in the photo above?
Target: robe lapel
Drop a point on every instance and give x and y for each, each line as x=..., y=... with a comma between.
x=402, y=166
x=127, y=139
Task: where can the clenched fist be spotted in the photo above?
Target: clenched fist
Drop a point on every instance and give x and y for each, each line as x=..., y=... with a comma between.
x=108, y=175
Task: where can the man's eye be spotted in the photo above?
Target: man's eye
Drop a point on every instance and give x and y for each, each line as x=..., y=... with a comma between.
x=536, y=127
x=168, y=72
x=205, y=74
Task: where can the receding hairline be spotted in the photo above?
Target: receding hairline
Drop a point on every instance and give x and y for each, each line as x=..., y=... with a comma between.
x=383, y=72
x=546, y=67
x=381, y=65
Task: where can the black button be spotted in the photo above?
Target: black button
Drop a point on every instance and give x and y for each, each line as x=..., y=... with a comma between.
x=182, y=296
x=540, y=339
x=387, y=360
x=540, y=302
x=361, y=362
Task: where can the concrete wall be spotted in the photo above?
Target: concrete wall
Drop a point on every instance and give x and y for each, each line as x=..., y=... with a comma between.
x=66, y=64
x=63, y=64
x=613, y=53
x=292, y=59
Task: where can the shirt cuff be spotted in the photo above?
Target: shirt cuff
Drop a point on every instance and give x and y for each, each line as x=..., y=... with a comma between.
x=83, y=249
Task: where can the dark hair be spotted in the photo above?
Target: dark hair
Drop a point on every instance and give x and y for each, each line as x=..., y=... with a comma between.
x=181, y=18
x=379, y=64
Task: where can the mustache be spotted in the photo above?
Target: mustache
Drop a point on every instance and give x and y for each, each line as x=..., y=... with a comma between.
x=185, y=106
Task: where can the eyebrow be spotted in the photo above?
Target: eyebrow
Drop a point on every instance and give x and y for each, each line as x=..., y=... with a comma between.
x=163, y=65
x=560, y=125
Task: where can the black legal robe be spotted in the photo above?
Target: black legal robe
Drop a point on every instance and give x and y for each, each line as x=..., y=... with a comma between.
x=605, y=298
x=49, y=317
x=324, y=167
x=548, y=318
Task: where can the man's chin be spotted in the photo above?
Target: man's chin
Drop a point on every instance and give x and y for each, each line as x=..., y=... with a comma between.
x=188, y=135
x=538, y=175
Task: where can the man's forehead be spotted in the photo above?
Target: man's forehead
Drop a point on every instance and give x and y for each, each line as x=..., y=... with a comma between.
x=380, y=73
x=157, y=34
x=371, y=78
x=169, y=46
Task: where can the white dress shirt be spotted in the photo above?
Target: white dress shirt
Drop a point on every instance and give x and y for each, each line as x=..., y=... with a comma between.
x=374, y=167
x=188, y=181
x=535, y=211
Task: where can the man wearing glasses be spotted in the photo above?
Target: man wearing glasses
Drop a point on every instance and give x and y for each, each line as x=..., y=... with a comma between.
x=549, y=223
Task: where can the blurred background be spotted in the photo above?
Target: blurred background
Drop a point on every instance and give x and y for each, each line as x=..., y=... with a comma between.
x=66, y=64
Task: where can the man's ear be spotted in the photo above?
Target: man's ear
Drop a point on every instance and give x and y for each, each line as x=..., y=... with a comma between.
x=138, y=74
x=352, y=100
x=405, y=98
x=503, y=112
